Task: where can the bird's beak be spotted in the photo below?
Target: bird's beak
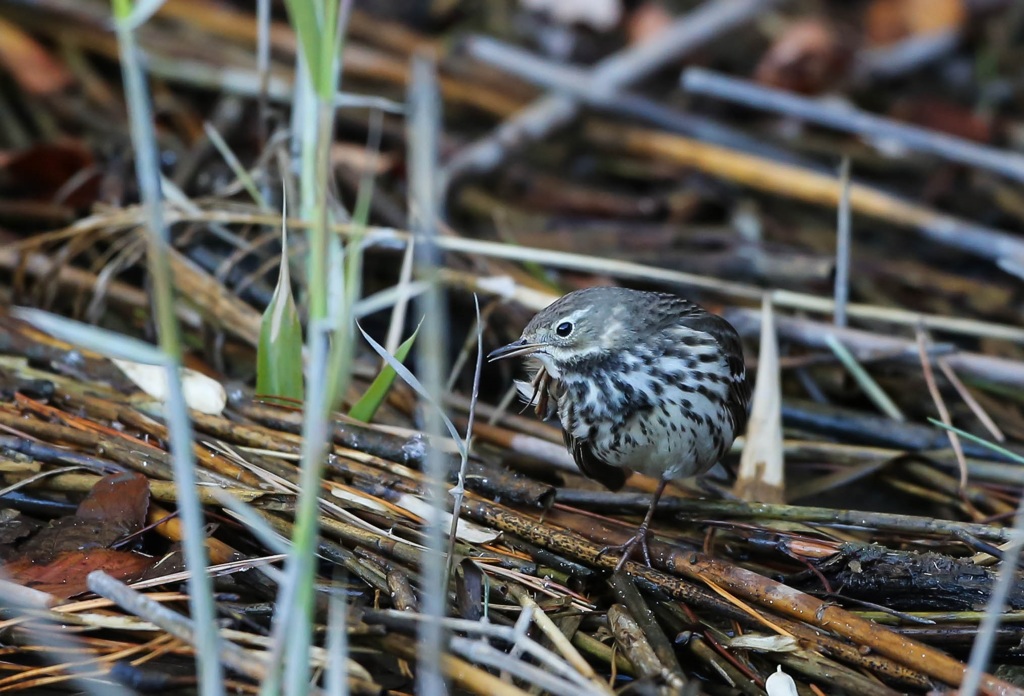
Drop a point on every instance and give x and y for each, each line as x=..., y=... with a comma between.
x=520, y=347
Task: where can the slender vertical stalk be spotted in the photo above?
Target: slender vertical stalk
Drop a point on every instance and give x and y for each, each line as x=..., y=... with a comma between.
x=985, y=640
x=263, y=65
x=460, y=487
x=315, y=167
x=302, y=562
x=423, y=123
x=337, y=647
x=148, y=173
x=320, y=25
x=843, y=233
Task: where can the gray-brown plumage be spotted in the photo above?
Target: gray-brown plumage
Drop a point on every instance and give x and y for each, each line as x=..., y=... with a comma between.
x=640, y=381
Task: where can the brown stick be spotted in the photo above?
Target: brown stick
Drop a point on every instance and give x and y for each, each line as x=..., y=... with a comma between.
x=780, y=598
x=804, y=607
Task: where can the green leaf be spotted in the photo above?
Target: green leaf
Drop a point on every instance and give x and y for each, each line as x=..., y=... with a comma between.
x=279, y=353
x=303, y=16
x=417, y=386
x=369, y=402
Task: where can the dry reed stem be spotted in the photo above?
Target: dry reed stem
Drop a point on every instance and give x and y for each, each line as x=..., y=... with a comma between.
x=809, y=186
x=744, y=583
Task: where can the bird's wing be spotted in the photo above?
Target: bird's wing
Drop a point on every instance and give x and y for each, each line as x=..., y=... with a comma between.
x=729, y=341
x=739, y=393
x=592, y=466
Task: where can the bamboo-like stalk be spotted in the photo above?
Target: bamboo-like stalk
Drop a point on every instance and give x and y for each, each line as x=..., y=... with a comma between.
x=180, y=627
x=638, y=612
x=208, y=650
x=423, y=126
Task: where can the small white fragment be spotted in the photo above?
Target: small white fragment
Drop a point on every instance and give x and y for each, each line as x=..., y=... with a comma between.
x=202, y=393
x=502, y=286
x=780, y=684
x=465, y=531
x=506, y=288
x=763, y=643
x=601, y=15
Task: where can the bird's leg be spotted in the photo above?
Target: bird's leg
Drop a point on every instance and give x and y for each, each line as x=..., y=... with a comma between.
x=645, y=526
x=642, y=531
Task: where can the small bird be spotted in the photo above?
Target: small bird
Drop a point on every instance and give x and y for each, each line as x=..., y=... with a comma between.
x=640, y=381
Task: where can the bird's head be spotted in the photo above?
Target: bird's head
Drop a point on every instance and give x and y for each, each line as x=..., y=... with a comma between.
x=581, y=325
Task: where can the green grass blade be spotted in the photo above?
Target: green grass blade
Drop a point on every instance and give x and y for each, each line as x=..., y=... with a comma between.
x=417, y=386
x=303, y=16
x=866, y=382
x=978, y=440
x=279, y=353
x=364, y=409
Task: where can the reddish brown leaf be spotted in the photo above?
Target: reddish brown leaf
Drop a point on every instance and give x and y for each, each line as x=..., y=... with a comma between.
x=809, y=57
x=65, y=576
x=115, y=507
x=41, y=171
x=119, y=501
x=29, y=63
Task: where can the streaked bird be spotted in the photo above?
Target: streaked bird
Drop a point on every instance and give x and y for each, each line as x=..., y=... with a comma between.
x=640, y=381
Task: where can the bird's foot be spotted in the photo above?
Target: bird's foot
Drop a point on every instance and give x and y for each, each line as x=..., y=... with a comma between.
x=626, y=550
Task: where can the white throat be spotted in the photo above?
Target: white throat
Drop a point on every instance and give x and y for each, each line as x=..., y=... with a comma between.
x=549, y=364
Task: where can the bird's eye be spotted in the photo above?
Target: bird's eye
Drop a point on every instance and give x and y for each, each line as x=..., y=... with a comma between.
x=564, y=329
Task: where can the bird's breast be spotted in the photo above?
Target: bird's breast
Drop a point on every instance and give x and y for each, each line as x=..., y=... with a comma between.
x=648, y=412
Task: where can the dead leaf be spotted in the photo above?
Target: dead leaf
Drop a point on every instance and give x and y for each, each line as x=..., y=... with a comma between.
x=66, y=575
x=762, y=472
x=115, y=507
x=202, y=393
x=40, y=172
x=809, y=57
x=118, y=500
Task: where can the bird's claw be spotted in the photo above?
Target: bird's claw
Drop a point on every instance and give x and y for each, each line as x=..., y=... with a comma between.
x=625, y=550
x=645, y=547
